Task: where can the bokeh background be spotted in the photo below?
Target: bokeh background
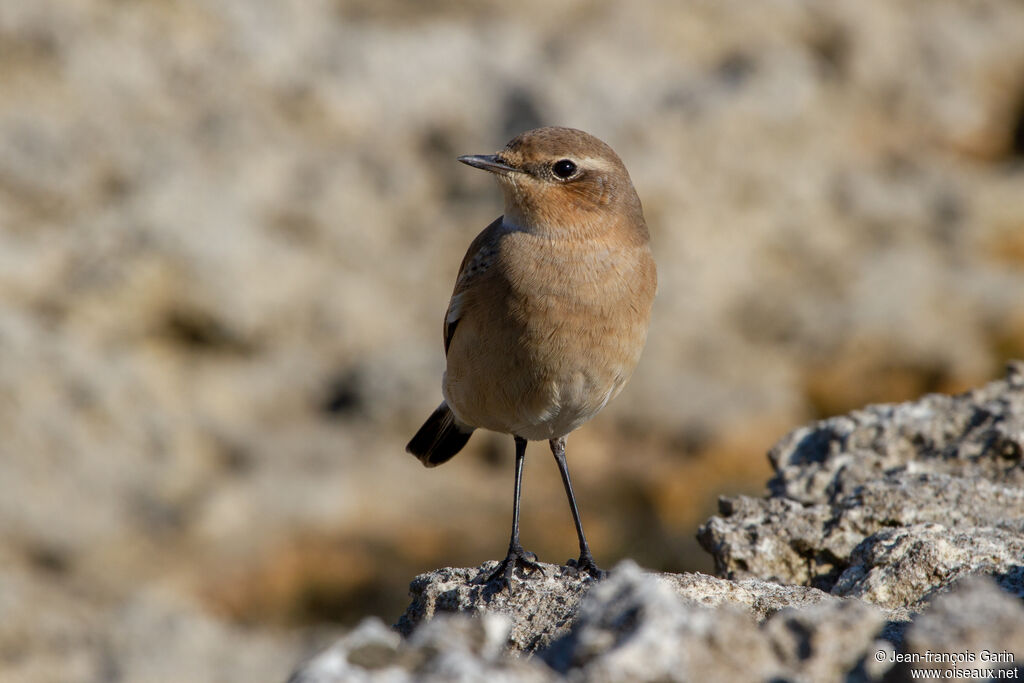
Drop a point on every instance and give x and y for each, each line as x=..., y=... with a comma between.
x=228, y=233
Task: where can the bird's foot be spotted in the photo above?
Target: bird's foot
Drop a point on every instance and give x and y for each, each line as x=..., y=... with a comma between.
x=587, y=564
x=516, y=556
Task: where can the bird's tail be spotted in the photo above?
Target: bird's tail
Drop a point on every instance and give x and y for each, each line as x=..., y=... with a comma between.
x=439, y=438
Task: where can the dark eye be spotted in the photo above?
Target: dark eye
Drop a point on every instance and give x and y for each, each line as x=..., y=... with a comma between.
x=564, y=169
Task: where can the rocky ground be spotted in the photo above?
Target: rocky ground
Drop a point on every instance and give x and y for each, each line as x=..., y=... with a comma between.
x=228, y=232
x=891, y=532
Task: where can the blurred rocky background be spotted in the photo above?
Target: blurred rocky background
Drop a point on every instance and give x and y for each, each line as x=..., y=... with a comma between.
x=228, y=233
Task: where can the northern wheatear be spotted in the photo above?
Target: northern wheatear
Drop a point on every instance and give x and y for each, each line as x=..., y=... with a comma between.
x=550, y=309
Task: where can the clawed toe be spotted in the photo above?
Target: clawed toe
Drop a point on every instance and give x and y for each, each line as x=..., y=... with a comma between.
x=587, y=564
x=505, y=570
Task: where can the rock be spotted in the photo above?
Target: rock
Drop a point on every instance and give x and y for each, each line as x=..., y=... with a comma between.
x=448, y=648
x=891, y=503
x=372, y=646
x=761, y=598
x=976, y=624
x=784, y=540
x=635, y=626
x=905, y=567
x=542, y=608
x=777, y=539
x=979, y=433
x=640, y=626
x=825, y=642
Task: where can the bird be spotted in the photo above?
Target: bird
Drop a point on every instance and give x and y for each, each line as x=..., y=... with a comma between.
x=549, y=314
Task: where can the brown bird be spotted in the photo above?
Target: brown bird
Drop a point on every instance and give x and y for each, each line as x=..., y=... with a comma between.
x=550, y=309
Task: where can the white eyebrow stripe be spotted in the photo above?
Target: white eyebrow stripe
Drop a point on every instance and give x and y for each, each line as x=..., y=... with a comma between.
x=595, y=163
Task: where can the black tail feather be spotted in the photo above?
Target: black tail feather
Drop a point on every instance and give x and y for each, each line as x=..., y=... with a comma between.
x=439, y=438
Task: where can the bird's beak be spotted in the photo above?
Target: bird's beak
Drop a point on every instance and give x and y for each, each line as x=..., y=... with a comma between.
x=488, y=162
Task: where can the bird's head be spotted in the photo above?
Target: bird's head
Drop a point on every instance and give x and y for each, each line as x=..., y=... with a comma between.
x=561, y=178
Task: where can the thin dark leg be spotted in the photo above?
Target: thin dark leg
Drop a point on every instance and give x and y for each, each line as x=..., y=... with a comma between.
x=520, y=458
x=586, y=562
x=516, y=554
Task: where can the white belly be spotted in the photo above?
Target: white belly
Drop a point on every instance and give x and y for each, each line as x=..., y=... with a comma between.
x=554, y=410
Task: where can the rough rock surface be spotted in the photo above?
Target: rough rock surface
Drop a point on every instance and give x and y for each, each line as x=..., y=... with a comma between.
x=910, y=516
x=976, y=619
x=634, y=626
x=637, y=626
x=449, y=648
x=890, y=503
x=542, y=607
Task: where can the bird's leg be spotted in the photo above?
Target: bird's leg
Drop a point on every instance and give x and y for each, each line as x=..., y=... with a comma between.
x=586, y=562
x=516, y=554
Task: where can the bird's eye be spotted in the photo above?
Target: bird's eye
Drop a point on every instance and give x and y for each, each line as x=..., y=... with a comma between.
x=564, y=169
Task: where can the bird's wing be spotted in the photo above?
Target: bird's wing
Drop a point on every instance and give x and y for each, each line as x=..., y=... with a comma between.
x=477, y=260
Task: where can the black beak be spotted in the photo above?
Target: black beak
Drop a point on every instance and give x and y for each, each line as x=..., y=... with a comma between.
x=488, y=162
